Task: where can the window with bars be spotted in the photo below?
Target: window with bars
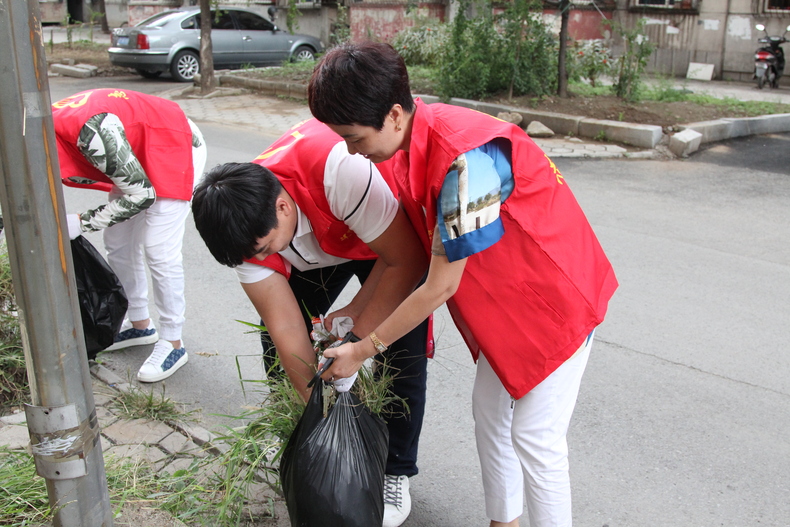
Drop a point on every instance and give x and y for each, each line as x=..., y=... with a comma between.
x=777, y=5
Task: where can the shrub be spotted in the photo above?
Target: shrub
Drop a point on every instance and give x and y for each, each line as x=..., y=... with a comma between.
x=630, y=66
x=511, y=52
x=423, y=43
x=593, y=60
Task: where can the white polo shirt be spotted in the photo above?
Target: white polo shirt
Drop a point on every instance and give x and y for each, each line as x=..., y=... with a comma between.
x=357, y=193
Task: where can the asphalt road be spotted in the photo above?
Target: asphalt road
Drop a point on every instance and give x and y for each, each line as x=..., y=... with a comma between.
x=684, y=413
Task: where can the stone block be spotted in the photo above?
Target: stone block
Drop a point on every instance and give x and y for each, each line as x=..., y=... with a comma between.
x=538, y=129
x=71, y=71
x=17, y=418
x=136, y=453
x=684, y=143
x=644, y=135
x=711, y=131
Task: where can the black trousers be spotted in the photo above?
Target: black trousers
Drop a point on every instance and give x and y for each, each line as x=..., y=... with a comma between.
x=315, y=291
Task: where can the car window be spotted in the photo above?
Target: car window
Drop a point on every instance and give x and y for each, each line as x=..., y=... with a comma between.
x=222, y=21
x=159, y=19
x=253, y=22
x=191, y=23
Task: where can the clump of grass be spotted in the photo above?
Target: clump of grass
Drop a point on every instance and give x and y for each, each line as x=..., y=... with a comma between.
x=14, y=389
x=24, y=500
x=255, y=448
x=137, y=403
x=292, y=71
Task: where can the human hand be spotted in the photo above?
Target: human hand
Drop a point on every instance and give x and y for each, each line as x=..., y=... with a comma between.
x=342, y=384
x=73, y=221
x=348, y=359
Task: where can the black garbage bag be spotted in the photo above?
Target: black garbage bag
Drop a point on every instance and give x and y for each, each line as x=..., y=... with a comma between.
x=332, y=469
x=102, y=299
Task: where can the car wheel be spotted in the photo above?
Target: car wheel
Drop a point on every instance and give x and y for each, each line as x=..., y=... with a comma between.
x=303, y=53
x=185, y=65
x=148, y=74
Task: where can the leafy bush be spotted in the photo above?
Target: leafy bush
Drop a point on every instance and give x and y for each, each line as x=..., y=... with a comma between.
x=511, y=52
x=423, y=43
x=630, y=66
x=593, y=60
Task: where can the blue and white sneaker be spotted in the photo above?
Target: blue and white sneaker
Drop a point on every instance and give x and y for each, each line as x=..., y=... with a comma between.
x=163, y=362
x=128, y=336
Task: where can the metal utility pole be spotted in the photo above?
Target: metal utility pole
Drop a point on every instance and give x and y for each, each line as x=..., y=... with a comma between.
x=64, y=432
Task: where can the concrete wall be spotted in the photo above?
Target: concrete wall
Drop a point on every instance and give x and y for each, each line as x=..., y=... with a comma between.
x=382, y=20
x=718, y=32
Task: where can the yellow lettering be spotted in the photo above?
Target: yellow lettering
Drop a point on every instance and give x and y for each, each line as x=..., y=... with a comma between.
x=73, y=101
x=269, y=152
x=555, y=170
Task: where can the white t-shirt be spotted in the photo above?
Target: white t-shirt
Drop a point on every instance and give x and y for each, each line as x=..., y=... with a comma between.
x=356, y=193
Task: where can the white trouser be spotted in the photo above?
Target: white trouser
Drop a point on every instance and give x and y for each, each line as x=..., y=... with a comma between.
x=154, y=237
x=524, y=441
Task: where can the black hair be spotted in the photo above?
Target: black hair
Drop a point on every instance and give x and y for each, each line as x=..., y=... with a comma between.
x=359, y=84
x=233, y=206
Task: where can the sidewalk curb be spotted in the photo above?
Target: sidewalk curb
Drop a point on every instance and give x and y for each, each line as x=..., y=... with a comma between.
x=638, y=135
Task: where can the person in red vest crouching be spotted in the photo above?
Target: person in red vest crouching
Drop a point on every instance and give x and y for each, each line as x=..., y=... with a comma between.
x=512, y=255
x=147, y=155
x=298, y=224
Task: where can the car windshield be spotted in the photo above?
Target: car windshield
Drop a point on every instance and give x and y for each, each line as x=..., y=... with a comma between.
x=159, y=19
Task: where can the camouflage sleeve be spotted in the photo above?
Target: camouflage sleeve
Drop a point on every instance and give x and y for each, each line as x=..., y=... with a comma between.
x=103, y=142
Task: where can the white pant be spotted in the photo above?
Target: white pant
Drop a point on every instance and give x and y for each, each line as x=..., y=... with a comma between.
x=526, y=443
x=154, y=237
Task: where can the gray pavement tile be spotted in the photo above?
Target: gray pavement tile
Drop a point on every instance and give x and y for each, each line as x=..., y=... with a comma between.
x=13, y=419
x=15, y=437
x=136, y=431
x=174, y=442
x=137, y=453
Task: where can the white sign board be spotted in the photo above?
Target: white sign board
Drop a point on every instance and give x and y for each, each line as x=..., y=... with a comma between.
x=700, y=72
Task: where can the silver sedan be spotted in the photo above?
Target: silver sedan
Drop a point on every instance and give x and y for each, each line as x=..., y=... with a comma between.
x=240, y=37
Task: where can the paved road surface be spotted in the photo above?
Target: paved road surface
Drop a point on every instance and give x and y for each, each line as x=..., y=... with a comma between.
x=683, y=414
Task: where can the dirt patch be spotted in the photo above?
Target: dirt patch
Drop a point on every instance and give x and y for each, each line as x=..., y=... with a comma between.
x=85, y=52
x=664, y=114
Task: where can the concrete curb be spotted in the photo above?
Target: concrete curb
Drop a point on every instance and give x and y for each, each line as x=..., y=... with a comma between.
x=638, y=135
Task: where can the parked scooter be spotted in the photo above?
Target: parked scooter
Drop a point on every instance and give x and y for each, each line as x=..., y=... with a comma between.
x=769, y=60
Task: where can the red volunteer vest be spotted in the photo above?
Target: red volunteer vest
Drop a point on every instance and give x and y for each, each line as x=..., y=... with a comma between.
x=529, y=301
x=298, y=159
x=156, y=129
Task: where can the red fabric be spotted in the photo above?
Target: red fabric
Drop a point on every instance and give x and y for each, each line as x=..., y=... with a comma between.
x=156, y=129
x=298, y=159
x=529, y=301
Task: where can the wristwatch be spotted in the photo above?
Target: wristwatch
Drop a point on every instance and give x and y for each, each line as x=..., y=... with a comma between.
x=380, y=347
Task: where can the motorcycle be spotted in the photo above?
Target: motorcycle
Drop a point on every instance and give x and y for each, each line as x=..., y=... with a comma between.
x=769, y=60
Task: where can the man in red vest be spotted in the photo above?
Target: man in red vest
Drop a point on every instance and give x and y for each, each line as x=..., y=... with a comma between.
x=297, y=224
x=146, y=153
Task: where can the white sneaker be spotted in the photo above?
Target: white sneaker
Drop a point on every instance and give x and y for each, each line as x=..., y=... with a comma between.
x=397, y=501
x=128, y=336
x=163, y=362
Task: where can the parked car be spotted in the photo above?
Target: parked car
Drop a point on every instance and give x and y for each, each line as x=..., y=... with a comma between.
x=171, y=41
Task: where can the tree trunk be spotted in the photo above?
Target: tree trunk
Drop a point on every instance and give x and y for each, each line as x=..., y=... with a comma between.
x=207, y=80
x=562, y=74
x=105, y=28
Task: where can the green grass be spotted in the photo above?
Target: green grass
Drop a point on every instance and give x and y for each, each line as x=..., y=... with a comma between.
x=24, y=500
x=137, y=403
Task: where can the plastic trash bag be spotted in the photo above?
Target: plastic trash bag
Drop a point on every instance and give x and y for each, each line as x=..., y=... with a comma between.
x=332, y=469
x=101, y=297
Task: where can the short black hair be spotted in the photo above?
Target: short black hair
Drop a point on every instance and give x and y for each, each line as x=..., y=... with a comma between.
x=233, y=206
x=358, y=84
